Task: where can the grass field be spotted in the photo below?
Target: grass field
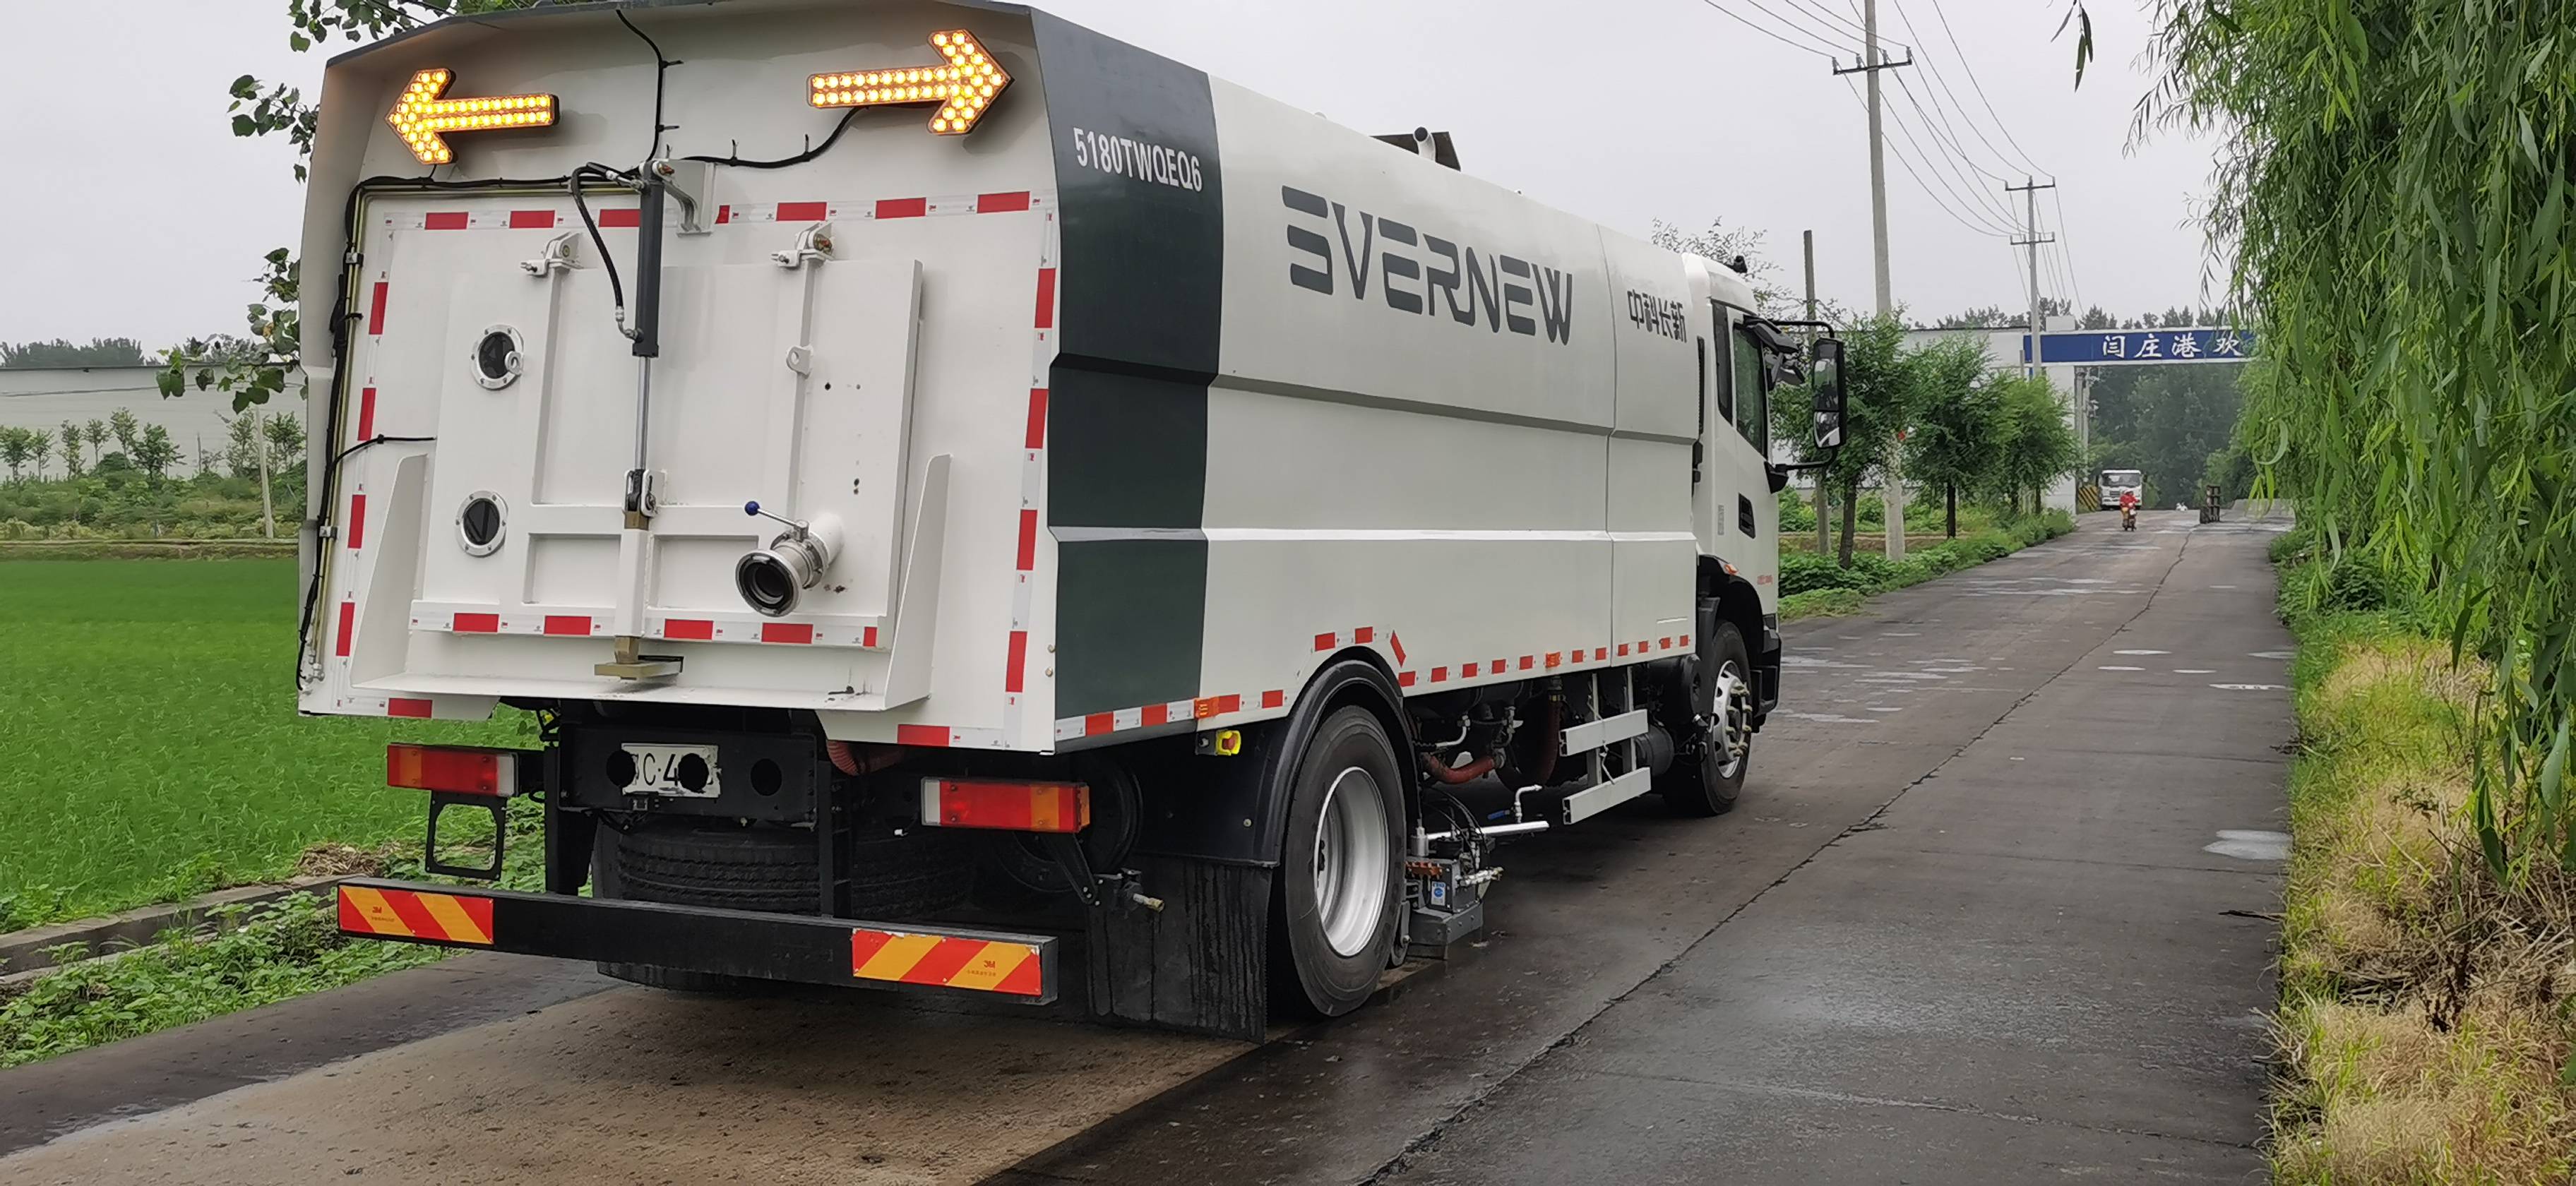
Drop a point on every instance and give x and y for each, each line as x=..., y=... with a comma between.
x=149, y=735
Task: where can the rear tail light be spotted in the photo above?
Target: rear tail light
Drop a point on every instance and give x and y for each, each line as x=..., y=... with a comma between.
x=453, y=769
x=1014, y=806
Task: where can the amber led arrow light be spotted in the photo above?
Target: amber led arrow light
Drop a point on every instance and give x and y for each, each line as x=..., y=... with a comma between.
x=964, y=87
x=423, y=119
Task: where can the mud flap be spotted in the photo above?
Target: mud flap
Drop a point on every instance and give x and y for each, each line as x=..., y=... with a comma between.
x=1200, y=964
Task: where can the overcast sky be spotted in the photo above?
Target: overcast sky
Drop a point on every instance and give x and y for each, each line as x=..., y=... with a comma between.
x=132, y=209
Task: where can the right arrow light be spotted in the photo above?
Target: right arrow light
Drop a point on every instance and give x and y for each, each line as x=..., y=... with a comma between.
x=964, y=88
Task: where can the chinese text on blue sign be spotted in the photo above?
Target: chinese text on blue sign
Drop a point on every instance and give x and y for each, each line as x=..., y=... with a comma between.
x=2098, y=347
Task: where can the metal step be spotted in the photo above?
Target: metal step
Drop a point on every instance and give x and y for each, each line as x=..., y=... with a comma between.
x=1585, y=804
x=1592, y=735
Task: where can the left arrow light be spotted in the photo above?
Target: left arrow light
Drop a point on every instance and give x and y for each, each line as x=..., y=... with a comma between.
x=424, y=120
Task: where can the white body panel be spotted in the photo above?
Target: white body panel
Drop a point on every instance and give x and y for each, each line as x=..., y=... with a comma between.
x=1473, y=493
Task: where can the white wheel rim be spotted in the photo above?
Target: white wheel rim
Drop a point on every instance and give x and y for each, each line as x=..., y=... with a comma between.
x=1730, y=719
x=1352, y=851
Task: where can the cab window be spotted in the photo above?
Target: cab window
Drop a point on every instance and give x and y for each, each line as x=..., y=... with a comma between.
x=1752, y=411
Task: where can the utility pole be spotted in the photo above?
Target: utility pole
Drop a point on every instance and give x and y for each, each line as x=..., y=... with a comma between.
x=1824, y=520
x=1893, y=498
x=2029, y=189
x=259, y=446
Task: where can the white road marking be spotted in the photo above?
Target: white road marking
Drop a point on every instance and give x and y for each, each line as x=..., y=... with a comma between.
x=2252, y=687
x=2251, y=846
x=2117, y=668
x=2137, y=652
x=2195, y=671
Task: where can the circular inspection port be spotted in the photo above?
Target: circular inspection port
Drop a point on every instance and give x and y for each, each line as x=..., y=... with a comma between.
x=766, y=777
x=497, y=358
x=481, y=522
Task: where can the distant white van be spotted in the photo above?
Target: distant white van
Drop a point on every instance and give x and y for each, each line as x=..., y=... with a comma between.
x=2116, y=482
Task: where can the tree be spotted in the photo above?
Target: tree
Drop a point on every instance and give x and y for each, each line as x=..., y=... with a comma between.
x=15, y=449
x=71, y=434
x=95, y=432
x=1952, y=441
x=1726, y=244
x=154, y=453
x=285, y=434
x=2034, y=444
x=122, y=424
x=1878, y=392
x=40, y=444
x=100, y=352
x=242, y=446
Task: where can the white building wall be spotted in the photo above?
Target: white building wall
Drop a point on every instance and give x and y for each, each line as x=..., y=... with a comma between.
x=44, y=397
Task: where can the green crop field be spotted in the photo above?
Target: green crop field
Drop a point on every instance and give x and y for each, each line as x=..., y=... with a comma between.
x=149, y=740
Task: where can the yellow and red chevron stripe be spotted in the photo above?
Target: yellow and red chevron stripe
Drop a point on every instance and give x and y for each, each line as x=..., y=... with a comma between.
x=947, y=961
x=409, y=914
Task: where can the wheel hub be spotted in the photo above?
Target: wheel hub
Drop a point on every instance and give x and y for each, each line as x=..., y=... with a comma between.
x=1351, y=857
x=1730, y=718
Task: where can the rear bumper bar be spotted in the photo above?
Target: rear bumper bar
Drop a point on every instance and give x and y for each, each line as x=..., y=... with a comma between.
x=803, y=948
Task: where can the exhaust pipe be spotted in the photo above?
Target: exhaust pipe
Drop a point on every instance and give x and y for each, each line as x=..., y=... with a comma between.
x=770, y=579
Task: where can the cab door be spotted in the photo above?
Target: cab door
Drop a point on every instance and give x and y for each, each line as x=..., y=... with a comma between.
x=1737, y=514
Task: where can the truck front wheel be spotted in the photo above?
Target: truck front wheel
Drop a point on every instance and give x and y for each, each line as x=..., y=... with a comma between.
x=1339, y=889
x=1717, y=744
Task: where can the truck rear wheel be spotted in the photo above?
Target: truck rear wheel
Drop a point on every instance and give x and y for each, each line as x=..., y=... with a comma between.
x=1717, y=726
x=1340, y=875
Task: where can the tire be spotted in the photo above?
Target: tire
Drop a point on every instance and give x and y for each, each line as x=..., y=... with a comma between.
x=1334, y=911
x=773, y=871
x=1705, y=779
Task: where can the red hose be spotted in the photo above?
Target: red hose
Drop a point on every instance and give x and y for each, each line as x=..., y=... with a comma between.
x=842, y=759
x=1454, y=775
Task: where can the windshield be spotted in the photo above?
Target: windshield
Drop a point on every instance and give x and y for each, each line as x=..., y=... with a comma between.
x=2120, y=477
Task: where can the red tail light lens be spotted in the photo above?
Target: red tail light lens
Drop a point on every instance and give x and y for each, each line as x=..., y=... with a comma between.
x=457, y=770
x=1013, y=806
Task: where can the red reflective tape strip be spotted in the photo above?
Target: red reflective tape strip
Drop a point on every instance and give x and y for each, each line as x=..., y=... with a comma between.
x=1323, y=642
x=891, y=208
x=1024, y=981
x=1209, y=706
x=812, y=211
x=1019, y=659
x=943, y=961
x=376, y=310
x=1623, y=650
x=787, y=632
x=868, y=637
x=1668, y=643
x=1575, y=655
x=1684, y=640
x=357, y=520
x=1499, y=666
x=1046, y=298
x=443, y=220
x=1467, y=672
x=921, y=734
x=1528, y=661
x=864, y=946
x=1273, y=699
x=1364, y=635
x=348, y=622
x=477, y=911
x=567, y=624
x=628, y=216
x=475, y=623
x=353, y=919
x=521, y=220
x=1028, y=539
x=404, y=706
x=1555, y=659
x=1396, y=641
x=700, y=629
x=366, y=413
x=1001, y=203
x=1099, y=723
x=1037, y=417
x=724, y=214
x=1155, y=714
x=1404, y=679
x=1439, y=675
x=1600, y=653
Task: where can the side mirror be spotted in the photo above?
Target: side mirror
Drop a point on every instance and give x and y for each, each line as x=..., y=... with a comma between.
x=1825, y=381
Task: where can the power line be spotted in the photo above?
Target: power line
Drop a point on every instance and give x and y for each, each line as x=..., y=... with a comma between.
x=1980, y=213
x=1979, y=87
x=1955, y=216
x=1957, y=156
x=1738, y=18
x=1944, y=82
x=2062, y=248
x=1857, y=32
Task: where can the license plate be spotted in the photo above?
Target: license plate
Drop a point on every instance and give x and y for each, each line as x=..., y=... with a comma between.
x=681, y=771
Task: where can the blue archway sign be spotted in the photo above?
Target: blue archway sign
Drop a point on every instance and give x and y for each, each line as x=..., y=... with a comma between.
x=2115, y=347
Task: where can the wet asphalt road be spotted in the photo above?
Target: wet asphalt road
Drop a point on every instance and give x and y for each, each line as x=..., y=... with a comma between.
x=1975, y=921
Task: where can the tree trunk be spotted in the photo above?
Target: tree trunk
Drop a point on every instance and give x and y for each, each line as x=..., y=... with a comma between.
x=1851, y=518
x=1824, y=517
x=1950, y=495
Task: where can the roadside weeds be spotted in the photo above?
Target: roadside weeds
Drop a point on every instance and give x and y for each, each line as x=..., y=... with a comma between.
x=1813, y=586
x=2428, y=1012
